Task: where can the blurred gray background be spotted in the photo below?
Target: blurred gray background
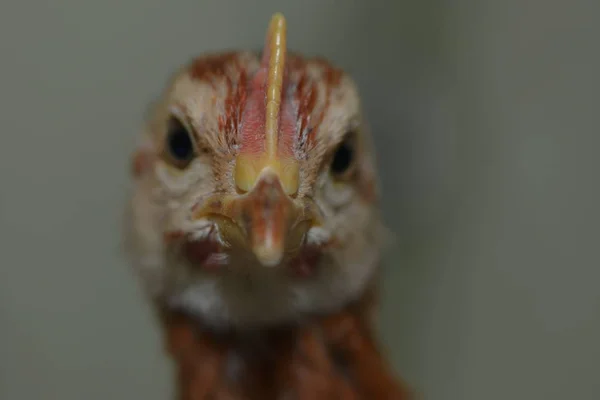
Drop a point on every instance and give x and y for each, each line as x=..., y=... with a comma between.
x=486, y=121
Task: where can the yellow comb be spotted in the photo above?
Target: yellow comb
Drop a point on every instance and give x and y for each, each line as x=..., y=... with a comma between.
x=276, y=42
x=250, y=166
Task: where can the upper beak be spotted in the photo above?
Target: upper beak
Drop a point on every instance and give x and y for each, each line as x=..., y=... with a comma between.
x=264, y=220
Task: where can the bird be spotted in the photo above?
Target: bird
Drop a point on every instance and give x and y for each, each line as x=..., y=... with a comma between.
x=254, y=228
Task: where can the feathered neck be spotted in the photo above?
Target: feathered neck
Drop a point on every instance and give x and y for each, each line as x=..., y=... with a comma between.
x=326, y=357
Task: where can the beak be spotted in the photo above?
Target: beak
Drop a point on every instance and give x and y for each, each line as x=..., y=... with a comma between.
x=266, y=221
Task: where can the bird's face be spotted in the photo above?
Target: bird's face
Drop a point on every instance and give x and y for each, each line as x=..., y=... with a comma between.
x=255, y=190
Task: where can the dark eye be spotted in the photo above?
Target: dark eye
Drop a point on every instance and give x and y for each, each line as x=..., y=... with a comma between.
x=343, y=158
x=179, y=145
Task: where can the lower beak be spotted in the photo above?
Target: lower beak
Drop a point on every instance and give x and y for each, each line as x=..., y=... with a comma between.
x=265, y=220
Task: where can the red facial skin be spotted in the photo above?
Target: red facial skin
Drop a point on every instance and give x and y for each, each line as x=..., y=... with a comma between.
x=201, y=253
x=305, y=263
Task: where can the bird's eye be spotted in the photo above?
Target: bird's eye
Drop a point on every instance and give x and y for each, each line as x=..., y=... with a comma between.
x=343, y=158
x=179, y=144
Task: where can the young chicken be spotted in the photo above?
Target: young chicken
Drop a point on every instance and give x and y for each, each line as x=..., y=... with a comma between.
x=254, y=227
